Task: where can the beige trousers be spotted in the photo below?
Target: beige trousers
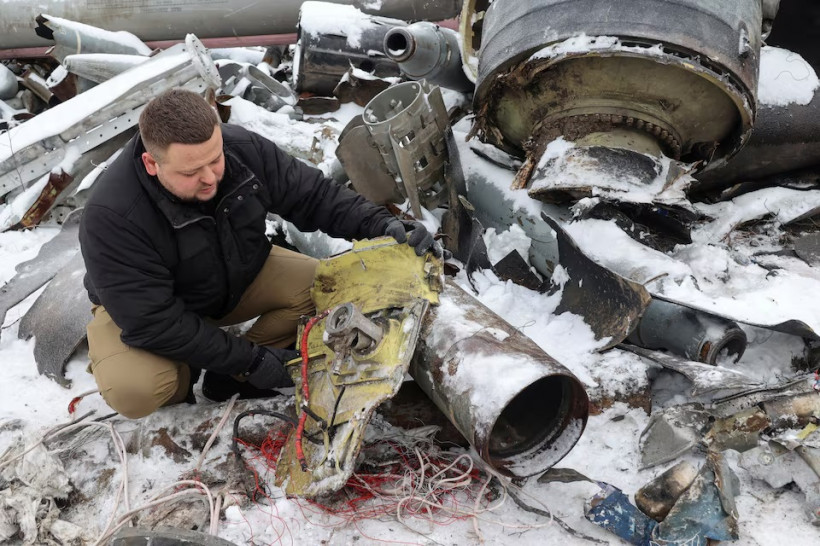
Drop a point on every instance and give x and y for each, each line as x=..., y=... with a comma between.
x=136, y=382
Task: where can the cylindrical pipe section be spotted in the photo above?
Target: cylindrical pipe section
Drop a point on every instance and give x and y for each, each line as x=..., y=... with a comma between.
x=520, y=409
x=326, y=51
x=345, y=321
x=427, y=51
x=8, y=83
x=690, y=333
x=100, y=67
x=164, y=20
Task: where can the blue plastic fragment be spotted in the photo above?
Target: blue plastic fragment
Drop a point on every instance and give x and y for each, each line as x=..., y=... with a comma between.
x=612, y=510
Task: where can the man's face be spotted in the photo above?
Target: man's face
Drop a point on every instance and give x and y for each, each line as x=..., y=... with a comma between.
x=191, y=172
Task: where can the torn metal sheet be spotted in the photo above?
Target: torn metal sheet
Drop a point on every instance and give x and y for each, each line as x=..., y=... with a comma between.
x=612, y=510
x=322, y=58
x=793, y=411
x=365, y=166
x=706, y=378
x=358, y=356
x=740, y=432
x=697, y=336
x=609, y=303
x=52, y=257
x=778, y=467
x=57, y=320
x=535, y=415
x=731, y=404
x=706, y=511
x=165, y=536
x=671, y=433
x=427, y=51
x=36, y=147
x=656, y=498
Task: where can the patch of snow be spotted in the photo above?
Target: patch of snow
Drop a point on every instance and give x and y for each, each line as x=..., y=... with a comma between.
x=785, y=78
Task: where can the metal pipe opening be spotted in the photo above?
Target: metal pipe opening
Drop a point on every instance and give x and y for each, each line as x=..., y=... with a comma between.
x=533, y=422
x=399, y=45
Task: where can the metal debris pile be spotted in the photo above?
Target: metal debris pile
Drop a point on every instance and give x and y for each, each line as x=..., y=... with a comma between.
x=665, y=201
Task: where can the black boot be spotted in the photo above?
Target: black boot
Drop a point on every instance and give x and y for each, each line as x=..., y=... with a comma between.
x=218, y=388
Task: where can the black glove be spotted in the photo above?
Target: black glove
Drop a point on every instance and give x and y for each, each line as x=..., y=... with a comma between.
x=420, y=239
x=267, y=369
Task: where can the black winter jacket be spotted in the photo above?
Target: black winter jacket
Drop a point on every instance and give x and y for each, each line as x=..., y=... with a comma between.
x=160, y=265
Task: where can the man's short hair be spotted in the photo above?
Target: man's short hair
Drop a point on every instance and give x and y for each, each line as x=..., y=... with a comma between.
x=176, y=116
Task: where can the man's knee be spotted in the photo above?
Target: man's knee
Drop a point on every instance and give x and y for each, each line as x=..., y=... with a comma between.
x=135, y=391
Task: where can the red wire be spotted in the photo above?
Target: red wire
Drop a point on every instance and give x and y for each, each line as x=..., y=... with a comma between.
x=300, y=429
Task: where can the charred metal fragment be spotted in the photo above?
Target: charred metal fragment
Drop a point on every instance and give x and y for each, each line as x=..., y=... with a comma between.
x=706, y=510
x=656, y=498
x=696, y=336
x=534, y=417
x=425, y=51
x=609, y=303
x=671, y=433
x=740, y=432
x=359, y=88
x=323, y=58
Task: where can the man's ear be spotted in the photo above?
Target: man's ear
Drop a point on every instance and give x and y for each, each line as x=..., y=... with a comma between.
x=150, y=163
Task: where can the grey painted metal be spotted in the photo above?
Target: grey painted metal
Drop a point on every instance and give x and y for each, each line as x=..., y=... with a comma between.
x=538, y=408
x=100, y=67
x=784, y=138
x=57, y=320
x=408, y=122
x=365, y=166
x=713, y=47
x=8, y=83
x=426, y=51
x=173, y=19
x=695, y=335
x=34, y=148
x=323, y=58
x=34, y=273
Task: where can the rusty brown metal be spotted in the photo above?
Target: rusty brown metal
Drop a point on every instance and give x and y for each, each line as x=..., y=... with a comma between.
x=520, y=408
x=57, y=182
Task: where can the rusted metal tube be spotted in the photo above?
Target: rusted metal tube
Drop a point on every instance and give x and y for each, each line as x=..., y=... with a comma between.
x=173, y=19
x=520, y=409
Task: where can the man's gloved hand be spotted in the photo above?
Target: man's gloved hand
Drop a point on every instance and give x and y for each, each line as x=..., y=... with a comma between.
x=418, y=237
x=267, y=369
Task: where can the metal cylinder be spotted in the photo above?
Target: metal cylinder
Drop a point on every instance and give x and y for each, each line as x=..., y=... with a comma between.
x=325, y=51
x=73, y=37
x=100, y=67
x=173, y=19
x=682, y=71
x=687, y=332
x=347, y=326
x=8, y=83
x=426, y=51
x=408, y=123
x=520, y=409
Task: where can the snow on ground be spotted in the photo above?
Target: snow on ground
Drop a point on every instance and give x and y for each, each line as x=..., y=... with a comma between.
x=608, y=450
